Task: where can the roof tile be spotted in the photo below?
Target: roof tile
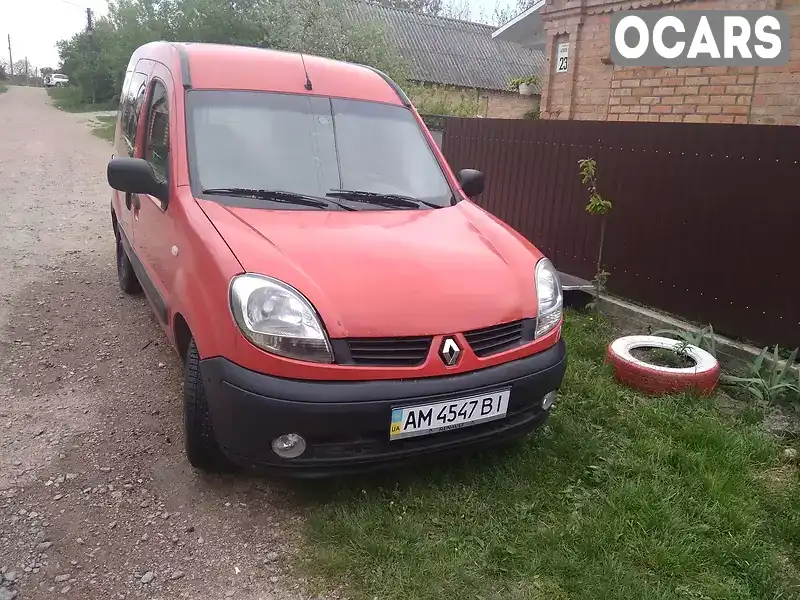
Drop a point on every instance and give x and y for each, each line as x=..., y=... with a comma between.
x=449, y=51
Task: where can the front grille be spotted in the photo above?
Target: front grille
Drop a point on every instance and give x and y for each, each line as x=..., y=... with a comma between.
x=380, y=445
x=384, y=352
x=498, y=338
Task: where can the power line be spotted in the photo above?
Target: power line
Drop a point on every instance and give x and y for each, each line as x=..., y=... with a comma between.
x=72, y=4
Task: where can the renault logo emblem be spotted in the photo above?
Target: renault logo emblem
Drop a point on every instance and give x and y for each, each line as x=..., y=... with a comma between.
x=449, y=351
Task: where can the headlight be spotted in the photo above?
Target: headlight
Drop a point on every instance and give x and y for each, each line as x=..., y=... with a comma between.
x=277, y=318
x=548, y=290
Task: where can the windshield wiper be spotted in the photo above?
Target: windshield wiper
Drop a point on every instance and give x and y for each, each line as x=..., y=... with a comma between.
x=395, y=200
x=276, y=196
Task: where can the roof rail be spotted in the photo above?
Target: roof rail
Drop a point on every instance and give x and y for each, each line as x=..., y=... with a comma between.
x=400, y=93
x=184, y=58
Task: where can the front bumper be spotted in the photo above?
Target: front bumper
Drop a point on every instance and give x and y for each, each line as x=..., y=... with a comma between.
x=346, y=423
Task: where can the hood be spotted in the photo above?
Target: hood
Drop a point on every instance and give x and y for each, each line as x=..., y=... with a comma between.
x=387, y=273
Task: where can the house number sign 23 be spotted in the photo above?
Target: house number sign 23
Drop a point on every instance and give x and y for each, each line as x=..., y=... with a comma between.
x=562, y=58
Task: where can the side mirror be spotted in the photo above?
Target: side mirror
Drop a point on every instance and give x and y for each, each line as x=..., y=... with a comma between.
x=471, y=181
x=135, y=176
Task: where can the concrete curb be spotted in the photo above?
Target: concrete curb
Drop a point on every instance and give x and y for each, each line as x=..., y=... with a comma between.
x=630, y=319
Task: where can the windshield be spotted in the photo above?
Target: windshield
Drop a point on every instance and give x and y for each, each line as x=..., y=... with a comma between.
x=310, y=145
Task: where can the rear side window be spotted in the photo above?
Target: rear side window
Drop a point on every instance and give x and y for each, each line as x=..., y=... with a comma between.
x=132, y=100
x=125, y=85
x=157, y=144
x=123, y=96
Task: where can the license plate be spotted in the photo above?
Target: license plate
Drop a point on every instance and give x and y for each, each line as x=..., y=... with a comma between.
x=424, y=419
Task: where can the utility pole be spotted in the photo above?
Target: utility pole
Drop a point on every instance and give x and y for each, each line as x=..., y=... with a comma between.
x=26, y=70
x=10, y=60
x=90, y=31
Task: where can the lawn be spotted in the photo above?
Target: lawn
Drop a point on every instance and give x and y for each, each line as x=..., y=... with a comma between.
x=3, y=88
x=105, y=127
x=620, y=496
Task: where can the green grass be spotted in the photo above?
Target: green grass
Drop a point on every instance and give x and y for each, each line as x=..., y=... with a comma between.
x=620, y=496
x=3, y=88
x=105, y=127
x=70, y=99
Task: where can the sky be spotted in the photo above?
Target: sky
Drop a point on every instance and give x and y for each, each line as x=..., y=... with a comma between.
x=36, y=25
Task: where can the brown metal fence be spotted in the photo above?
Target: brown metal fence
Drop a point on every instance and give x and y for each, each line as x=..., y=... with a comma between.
x=705, y=218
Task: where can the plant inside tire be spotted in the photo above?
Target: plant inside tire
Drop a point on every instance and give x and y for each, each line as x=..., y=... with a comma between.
x=200, y=443
x=701, y=377
x=128, y=281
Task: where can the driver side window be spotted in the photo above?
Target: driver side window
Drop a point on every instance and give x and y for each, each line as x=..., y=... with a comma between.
x=157, y=140
x=132, y=99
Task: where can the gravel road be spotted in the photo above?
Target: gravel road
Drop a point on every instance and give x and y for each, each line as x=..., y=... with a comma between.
x=96, y=498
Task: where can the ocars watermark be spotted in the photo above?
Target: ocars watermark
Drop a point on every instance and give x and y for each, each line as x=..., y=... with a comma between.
x=699, y=38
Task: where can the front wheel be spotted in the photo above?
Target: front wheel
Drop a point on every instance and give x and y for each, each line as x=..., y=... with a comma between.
x=128, y=282
x=200, y=443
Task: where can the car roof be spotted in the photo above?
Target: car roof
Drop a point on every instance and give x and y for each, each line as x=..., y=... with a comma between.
x=224, y=67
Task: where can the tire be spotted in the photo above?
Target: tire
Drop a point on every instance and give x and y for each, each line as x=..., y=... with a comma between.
x=653, y=379
x=200, y=443
x=128, y=282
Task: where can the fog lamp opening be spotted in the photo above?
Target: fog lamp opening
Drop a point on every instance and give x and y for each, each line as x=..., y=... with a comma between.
x=290, y=445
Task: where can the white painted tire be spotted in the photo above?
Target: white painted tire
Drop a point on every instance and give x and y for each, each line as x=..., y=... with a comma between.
x=647, y=377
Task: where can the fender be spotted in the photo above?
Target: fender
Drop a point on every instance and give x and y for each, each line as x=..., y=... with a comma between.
x=200, y=283
x=192, y=301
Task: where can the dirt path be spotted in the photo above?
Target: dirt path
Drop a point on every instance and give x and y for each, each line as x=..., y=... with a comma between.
x=96, y=498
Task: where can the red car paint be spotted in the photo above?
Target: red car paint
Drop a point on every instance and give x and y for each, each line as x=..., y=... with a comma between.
x=368, y=273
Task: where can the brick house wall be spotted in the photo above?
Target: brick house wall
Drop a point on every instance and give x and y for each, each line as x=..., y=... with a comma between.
x=507, y=105
x=595, y=89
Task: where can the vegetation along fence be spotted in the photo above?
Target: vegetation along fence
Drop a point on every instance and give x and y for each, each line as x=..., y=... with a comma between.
x=703, y=215
x=435, y=124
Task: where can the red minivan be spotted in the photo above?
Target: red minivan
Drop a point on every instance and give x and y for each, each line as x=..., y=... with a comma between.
x=315, y=340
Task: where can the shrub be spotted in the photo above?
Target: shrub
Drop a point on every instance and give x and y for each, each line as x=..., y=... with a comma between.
x=534, y=114
x=769, y=380
x=443, y=100
x=514, y=84
x=66, y=97
x=71, y=99
x=703, y=339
